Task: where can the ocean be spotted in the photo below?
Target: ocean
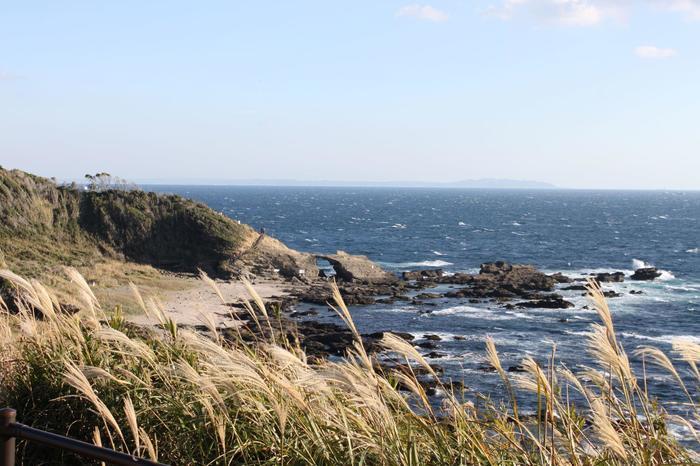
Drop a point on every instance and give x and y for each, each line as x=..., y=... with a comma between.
x=573, y=232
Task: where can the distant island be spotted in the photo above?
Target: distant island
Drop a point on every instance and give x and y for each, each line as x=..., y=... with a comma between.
x=484, y=183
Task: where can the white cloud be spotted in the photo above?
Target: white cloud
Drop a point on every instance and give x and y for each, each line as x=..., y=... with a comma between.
x=6, y=76
x=424, y=12
x=587, y=12
x=562, y=12
x=689, y=8
x=650, y=52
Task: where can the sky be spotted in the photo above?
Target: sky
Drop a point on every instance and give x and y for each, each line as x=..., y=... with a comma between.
x=578, y=93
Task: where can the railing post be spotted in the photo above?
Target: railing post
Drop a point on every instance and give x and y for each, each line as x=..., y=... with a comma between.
x=7, y=444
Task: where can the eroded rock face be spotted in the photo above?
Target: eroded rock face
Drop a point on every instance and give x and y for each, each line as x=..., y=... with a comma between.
x=351, y=268
x=646, y=273
x=270, y=254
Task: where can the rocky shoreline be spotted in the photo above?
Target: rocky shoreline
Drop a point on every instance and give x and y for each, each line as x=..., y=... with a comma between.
x=362, y=282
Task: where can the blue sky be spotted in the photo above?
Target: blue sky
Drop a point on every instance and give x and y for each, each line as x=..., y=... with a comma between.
x=580, y=93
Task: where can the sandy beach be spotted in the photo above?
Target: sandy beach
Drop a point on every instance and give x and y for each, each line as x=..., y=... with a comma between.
x=197, y=298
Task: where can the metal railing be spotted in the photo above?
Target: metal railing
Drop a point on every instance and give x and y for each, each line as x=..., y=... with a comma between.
x=10, y=430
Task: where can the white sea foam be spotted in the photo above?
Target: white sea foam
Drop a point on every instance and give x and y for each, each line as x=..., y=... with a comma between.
x=640, y=264
x=443, y=335
x=681, y=431
x=474, y=312
x=435, y=263
x=401, y=310
x=400, y=226
x=406, y=265
x=693, y=250
x=498, y=338
x=438, y=253
x=520, y=315
x=459, y=310
x=663, y=338
x=462, y=224
x=578, y=333
x=688, y=287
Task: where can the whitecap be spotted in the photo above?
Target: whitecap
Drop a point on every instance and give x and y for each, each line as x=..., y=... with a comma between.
x=688, y=287
x=693, y=250
x=435, y=263
x=578, y=333
x=438, y=253
x=400, y=226
x=401, y=310
x=681, y=431
x=462, y=224
x=586, y=272
x=404, y=265
x=640, y=264
x=664, y=338
x=665, y=274
x=473, y=312
x=444, y=336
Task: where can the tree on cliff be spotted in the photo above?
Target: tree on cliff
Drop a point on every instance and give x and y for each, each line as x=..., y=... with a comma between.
x=103, y=181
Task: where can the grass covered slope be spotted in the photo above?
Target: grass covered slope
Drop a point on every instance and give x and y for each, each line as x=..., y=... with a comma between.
x=43, y=225
x=165, y=231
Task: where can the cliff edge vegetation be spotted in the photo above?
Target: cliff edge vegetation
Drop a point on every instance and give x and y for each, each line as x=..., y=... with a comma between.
x=117, y=235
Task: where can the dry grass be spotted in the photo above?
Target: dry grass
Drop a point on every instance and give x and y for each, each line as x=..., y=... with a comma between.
x=187, y=398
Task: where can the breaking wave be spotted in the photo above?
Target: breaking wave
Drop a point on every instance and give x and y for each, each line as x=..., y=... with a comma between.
x=406, y=265
x=663, y=338
x=640, y=264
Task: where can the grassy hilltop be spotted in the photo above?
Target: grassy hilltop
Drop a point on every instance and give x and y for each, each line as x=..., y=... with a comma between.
x=44, y=225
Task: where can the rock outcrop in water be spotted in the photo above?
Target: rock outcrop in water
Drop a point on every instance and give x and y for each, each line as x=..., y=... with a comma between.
x=358, y=269
x=428, y=274
x=645, y=273
x=607, y=277
x=516, y=277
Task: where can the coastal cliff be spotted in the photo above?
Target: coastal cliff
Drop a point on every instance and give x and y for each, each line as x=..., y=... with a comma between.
x=44, y=225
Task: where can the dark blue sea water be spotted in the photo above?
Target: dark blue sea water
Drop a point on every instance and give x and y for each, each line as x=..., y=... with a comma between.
x=575, y=232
